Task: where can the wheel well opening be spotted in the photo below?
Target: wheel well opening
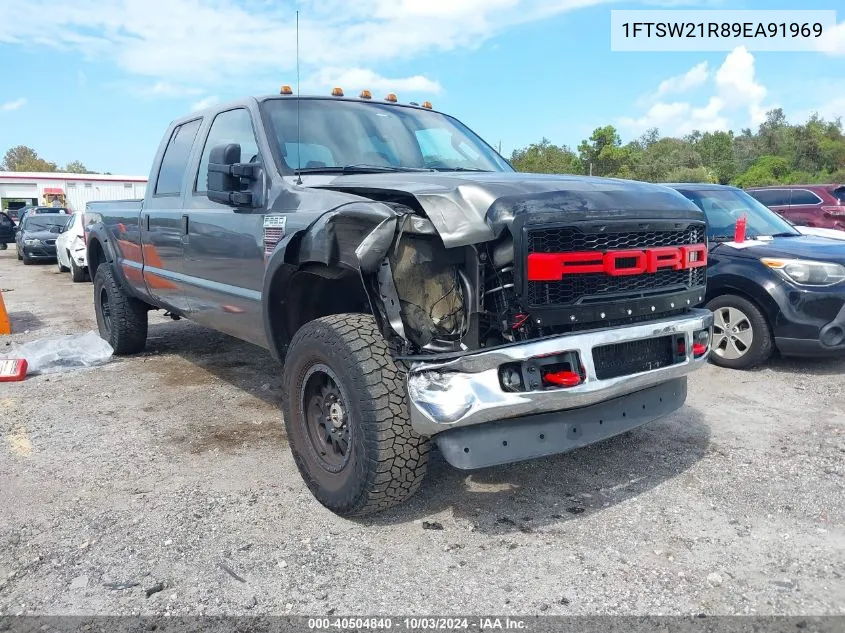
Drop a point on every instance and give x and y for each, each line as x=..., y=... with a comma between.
x=306, y=295
x=96, y=256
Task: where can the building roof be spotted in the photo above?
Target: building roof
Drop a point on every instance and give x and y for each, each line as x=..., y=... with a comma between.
x=58, y=175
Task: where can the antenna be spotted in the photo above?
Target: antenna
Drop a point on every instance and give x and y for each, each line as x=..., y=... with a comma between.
x=298, y=100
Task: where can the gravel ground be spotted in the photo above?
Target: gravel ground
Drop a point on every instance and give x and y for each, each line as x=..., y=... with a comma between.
x=168, y=474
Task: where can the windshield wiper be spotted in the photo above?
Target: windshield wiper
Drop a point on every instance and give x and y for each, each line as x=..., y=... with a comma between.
x=357, y=169
x=460, y=169
x=786, y=234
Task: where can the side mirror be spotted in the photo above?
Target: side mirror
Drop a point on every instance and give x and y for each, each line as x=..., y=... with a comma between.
x=228, y=178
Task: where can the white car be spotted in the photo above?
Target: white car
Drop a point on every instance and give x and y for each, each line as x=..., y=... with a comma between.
x=70, y=249
x=834, y=234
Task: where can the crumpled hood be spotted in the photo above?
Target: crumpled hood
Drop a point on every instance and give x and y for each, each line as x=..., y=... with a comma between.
x=472, y=207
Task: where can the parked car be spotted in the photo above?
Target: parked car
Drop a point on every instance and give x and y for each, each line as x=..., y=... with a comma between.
x=7, y=230
x=36, y=236
x=805, y=205
x=778, y=289
x=417, y=289
x=70, y=249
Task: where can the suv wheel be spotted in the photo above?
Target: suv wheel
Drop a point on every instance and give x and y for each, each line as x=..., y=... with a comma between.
x=121, y=319
x=742, y=337
x=346, y=415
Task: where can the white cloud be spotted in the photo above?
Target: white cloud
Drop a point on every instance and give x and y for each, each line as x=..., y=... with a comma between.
x=167, y=89
x=238, y=42
x=204, y=103
x=833, y=41
x=352, y=79
x=13, y=105
x=735, y=96
x=694, y=77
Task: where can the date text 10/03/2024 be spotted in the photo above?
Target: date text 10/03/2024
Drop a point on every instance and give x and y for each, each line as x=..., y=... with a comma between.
x=417, y=623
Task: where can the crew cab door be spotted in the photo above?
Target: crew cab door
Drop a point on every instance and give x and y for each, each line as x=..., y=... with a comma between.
x=224, y=260
x=164, y=222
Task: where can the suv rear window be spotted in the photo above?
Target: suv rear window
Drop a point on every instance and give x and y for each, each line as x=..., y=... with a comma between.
x=771, y=197
x=804, y=196
x=174, y=163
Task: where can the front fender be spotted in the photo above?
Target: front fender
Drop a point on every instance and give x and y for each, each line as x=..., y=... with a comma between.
x=353, y=236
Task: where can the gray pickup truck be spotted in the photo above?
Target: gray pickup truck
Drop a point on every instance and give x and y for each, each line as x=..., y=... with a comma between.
x=414, y=286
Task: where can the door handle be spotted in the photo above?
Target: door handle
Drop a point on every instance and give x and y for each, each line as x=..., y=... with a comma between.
x=184, y=225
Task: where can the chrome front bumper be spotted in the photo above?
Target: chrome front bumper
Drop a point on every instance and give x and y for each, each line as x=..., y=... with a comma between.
x=467, y=390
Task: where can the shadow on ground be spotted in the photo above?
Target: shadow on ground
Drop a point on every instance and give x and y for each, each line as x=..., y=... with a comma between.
x=813, y=366
x=23, y=320
x=498, y=500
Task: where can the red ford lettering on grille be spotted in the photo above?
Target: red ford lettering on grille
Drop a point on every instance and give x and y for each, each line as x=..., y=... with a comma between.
x=555, y=266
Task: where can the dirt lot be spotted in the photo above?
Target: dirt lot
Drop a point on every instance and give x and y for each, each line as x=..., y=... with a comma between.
x=172, y=467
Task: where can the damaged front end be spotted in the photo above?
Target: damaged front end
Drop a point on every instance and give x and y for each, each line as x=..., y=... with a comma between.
x=485, y=341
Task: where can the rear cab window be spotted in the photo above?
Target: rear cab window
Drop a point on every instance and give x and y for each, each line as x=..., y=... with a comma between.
x=174, y=163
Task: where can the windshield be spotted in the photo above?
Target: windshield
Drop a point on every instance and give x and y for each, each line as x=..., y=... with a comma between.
x=43, y=222
x=723, y=207
x=337, y=134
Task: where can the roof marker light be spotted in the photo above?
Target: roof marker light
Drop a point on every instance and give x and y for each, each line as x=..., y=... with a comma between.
x=286, y=90
x=337, y=92
x=366, y=94
x=391, y=97
x=427, y=105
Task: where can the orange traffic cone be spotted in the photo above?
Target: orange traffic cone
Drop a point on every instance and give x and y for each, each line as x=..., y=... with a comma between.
x=5, y=325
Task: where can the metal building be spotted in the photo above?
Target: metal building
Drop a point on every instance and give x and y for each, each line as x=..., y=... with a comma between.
x=21, y=188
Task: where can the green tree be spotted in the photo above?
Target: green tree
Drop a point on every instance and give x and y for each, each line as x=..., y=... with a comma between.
x=76, y=167
x=717, y=154
x=546, y=158
x=661, y=160
x=767, y=170
x=23, y=158
x=604, y=152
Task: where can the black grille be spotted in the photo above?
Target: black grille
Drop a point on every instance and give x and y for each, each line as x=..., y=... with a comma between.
x=589, y=288
x=569, y=239
x=623, y=359
x=50, y=242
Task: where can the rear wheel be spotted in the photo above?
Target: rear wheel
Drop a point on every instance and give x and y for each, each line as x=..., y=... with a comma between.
x=742, y=337
x=347, y=420
x=121, y=319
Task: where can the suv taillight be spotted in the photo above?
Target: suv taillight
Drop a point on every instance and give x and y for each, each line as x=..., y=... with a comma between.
x=836, y=211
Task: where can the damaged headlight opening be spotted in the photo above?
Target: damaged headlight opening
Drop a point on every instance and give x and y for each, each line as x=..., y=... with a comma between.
x=807, y=272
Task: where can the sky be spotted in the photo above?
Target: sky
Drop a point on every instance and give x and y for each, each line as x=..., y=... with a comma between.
x=99, y=80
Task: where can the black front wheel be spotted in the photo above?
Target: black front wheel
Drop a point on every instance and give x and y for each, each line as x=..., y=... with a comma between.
x=121, y=319
x=346, y=415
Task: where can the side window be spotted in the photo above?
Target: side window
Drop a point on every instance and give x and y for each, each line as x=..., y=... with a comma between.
x=771, y=197
x=802, y=196
x=232, y=126
x=174, y=163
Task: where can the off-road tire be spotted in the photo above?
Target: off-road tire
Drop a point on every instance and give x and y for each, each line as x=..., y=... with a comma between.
x=762, y=343
x=387, y=460
x=125, y=328
x=77, y=274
